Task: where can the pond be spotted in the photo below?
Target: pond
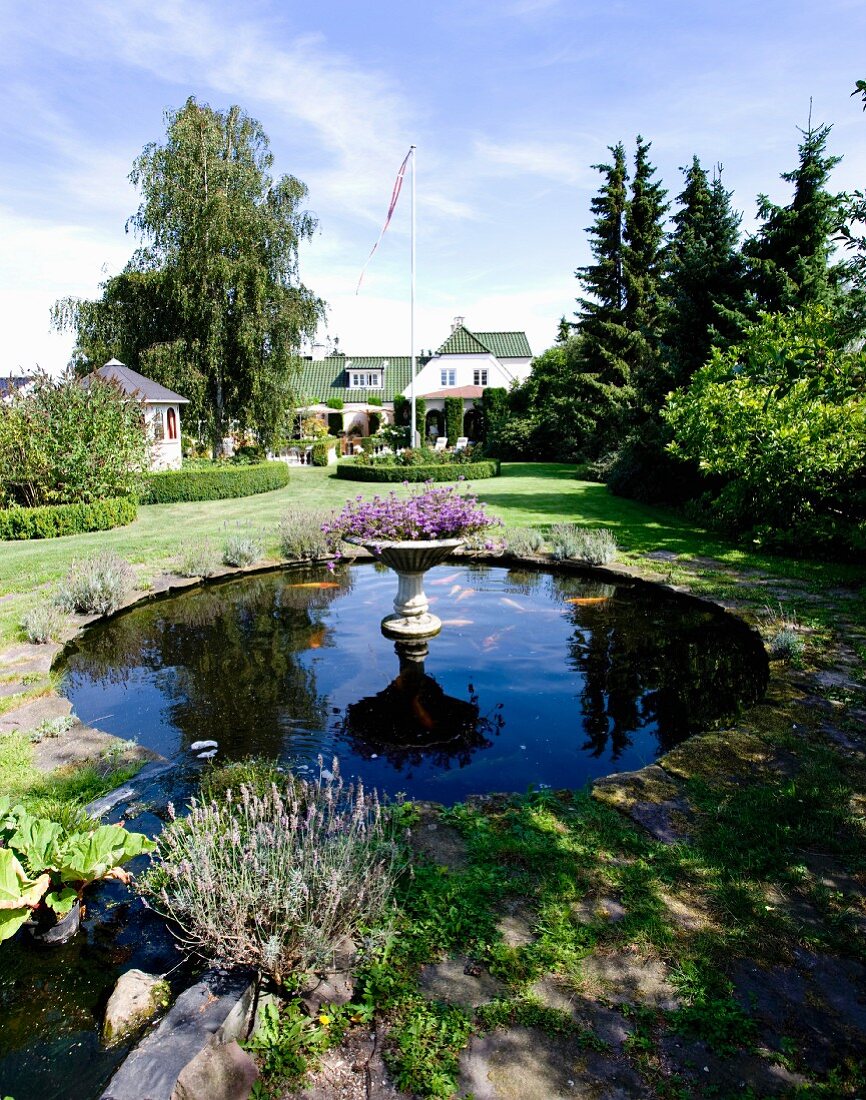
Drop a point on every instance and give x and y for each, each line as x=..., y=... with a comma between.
x=537, y=678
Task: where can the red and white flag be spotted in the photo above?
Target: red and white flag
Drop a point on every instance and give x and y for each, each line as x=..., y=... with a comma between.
x=395, y=194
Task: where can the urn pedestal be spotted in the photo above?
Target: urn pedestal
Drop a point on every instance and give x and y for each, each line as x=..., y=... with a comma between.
x=410, y=560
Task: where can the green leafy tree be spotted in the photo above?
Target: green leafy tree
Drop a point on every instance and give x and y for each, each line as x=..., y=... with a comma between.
x=779, y=420
x=210, y=303
x=63, y=441
x=789, y=256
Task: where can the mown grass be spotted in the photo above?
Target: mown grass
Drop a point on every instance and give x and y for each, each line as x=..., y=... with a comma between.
x=527, y=494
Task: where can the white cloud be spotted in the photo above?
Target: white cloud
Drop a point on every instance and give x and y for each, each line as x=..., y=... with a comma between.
x=564, y=163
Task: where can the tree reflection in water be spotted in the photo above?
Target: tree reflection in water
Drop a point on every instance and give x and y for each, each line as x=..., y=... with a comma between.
x=413, y=721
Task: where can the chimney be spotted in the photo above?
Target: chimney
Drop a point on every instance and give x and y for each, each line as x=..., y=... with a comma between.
x=457, y=323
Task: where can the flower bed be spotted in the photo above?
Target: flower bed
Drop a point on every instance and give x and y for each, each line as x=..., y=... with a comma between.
x=350, y=471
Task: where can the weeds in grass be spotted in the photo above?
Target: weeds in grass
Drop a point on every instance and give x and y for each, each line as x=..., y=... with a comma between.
x=51, y=727
x=97, y=585
x=43, y=623
x=785, y=640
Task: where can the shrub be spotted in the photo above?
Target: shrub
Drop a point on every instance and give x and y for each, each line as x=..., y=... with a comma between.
x=53, y=520
x=320, y=451
x=524, y=540
x=351, y=471
x=301, y=536
x=218, y=482
x=275, y=880
x=785, y=642
x=64, y=441
x=256, y=773
x=335, y=403
x=241, y=548
x=97, y=585
x=200, y=560
x=594, y=545
x=453, y=419
x=43, y=623
x=374, y=400
x=248, y=454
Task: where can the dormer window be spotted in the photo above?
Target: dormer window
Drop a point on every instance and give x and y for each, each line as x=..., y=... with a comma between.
x=365, y=380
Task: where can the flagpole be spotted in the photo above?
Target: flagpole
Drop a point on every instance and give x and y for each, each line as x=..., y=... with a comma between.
x=414, y=429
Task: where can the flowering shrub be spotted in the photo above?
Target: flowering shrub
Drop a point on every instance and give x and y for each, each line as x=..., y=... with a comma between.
x=97, y=585
x=432, y=513
x=275, y=878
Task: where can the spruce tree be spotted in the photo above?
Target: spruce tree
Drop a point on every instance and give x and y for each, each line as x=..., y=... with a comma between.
x=706, y=287
x=600, y=358
x=643, y=270
x=789, y=256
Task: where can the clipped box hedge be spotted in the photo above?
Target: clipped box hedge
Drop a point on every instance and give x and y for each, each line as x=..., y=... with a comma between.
x=53, y=520
x=471, y=471
x=220, y=483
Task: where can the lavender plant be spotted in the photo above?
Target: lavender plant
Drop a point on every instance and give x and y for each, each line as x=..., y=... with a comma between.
x=594, y=545
x=301, y=535
x=43, y=623
x=97, y=585
x=199, y=560
x=433, y=512
x=276, y=880
x=241, y=548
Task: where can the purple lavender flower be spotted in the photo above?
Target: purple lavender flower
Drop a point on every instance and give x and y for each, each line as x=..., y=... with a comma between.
x=427, y=514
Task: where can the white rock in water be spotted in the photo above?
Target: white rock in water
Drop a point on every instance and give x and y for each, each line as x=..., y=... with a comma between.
x=206, y=755
x=326, y=775
x=197, y=746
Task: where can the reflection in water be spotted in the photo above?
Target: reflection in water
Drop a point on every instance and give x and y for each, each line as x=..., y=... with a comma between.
x=577, y=677
x=413, y=719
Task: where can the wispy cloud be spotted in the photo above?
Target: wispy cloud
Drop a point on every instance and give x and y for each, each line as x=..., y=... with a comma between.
x=563, y=163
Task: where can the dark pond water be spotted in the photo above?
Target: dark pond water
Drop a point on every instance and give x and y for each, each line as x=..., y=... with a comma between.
x=536, y=679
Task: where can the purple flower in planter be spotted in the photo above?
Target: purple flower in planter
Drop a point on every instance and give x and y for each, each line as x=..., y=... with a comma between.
x=428, y=514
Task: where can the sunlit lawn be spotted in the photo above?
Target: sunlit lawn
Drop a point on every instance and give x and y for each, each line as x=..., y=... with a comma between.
x=527, y=494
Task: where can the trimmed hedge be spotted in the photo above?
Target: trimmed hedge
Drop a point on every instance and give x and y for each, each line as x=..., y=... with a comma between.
x=471, y=471
x=50, y=521
x=220, y=483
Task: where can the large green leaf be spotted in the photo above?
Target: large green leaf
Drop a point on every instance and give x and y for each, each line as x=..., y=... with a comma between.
x=18, y=893
x=61, y=900
x=89, y=857
x=35, y=841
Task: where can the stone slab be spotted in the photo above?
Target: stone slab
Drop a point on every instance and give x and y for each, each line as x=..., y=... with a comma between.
x=223, y=1072
x=625, y=978
x=457, y=981
x=214, y=1010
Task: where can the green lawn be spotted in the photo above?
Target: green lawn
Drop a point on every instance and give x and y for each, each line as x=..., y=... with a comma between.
x=527, y=494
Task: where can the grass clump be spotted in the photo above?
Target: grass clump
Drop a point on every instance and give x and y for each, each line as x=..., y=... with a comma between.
x=276, y=880
x=241, y=549
x=97, y=585
x=785, y=641
x=301, y=536
x=43, y=623
x=594, y=545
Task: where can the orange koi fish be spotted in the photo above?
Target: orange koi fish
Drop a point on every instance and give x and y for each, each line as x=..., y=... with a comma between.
x=446, y=580
x=465, y=594
x=317, y=638
x=457, y=622
x=455, y=589
x=586, y=601
x=316, y=584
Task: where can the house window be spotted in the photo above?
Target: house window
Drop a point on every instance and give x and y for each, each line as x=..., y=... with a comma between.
x=171, y=420
x=158, y=426
x=479, y=377
x=363, y=380
x=448, y=377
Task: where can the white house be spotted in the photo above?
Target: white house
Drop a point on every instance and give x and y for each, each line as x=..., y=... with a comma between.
x=161, y=412
x=464, y=366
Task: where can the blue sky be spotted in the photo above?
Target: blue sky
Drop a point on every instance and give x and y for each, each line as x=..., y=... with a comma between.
x=509, y=104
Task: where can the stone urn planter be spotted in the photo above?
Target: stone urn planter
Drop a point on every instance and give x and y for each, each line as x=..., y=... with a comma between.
x=410, y=560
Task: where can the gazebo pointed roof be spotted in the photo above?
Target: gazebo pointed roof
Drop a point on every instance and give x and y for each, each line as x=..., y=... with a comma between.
x=136, y=385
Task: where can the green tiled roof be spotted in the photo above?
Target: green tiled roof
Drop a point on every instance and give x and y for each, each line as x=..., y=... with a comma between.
x=324, y=378
x=504, y=345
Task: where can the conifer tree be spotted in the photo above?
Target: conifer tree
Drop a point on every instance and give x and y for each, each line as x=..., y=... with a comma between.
x=789, y=256
x=706, y=287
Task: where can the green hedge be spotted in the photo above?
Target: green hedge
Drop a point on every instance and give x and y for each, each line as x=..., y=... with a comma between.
x=220, y=483
x=52, y=520
x=471, y=471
